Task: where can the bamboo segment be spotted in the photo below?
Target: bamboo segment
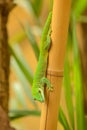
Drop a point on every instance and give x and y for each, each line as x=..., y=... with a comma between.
x=60, y=23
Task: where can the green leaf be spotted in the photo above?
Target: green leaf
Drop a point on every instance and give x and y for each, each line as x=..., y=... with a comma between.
x=63, y=120
x=15, y=51
x=19, y=94
x=24, y=82
x=79, y=7
x=28, y=31
x=18, y=37
x=26, y=4
x=13, y=103
x=37, y=6
x=67, y=86
x=31, y=8
x=15, y=114
x=77, y=80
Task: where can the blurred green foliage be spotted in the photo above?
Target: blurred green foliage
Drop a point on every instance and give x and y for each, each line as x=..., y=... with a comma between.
x=25, y=74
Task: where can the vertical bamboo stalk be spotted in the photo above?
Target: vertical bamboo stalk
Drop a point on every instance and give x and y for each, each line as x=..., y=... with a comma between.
x=60, y=23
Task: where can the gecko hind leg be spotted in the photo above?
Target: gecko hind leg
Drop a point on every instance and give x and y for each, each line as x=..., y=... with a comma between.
x=44, y=80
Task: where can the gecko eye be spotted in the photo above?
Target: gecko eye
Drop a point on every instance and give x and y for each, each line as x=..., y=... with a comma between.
x=40, y=90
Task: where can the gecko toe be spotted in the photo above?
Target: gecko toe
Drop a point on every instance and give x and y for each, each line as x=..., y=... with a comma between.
x=50, y=88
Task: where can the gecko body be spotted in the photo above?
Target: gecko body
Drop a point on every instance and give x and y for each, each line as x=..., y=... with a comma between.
x=39, y=79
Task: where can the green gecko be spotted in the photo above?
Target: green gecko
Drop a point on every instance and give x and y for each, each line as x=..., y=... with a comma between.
x=39, y=79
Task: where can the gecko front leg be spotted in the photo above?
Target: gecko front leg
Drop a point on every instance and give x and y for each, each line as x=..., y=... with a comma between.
x=44, y=80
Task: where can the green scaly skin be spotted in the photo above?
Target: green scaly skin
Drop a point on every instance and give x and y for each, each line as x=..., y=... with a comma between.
x=39, y=79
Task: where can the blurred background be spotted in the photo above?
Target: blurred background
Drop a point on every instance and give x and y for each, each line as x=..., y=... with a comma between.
x=25, y=25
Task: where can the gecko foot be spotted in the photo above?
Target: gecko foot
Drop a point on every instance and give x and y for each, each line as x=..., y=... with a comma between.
x=50, y=88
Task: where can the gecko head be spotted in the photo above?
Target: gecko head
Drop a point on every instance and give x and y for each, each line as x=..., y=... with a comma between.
x=39, y=95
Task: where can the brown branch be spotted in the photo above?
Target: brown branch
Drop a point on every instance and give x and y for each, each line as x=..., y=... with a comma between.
x=60, y=23
x=5, y=7
x=4, y=122
x=4, y=59
x=4, y=64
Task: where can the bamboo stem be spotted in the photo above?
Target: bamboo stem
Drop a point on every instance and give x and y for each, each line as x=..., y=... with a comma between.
x=60, y=23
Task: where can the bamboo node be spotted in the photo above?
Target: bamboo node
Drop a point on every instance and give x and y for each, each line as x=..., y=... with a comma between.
x=55, y=73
